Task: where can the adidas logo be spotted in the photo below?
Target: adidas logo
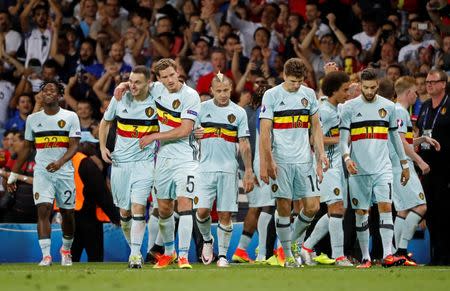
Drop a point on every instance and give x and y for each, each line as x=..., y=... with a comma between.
x=125, y=111
x=282, y=103
x=359, y=115
x=159, y=98
x=208, y=116
x=39, y=125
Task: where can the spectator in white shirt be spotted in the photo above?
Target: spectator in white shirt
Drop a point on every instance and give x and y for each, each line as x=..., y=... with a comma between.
x=416, y=32
x=11, y=38
x=367, y=36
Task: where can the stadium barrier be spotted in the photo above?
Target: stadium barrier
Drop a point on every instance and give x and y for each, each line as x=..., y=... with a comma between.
x=19, y=244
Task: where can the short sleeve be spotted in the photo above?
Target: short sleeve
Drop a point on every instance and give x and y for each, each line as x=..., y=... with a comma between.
x=324, y=117
x=402, y=121
x=29, y=134
x=346, y=115
x=110, y=112
x=314, y=104
x=243, y=130
x=191, y=107
x=75, y=130
x=393, y=119
x=266, y=111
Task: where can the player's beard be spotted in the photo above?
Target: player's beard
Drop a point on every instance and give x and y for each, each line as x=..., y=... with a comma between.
x=371, y=95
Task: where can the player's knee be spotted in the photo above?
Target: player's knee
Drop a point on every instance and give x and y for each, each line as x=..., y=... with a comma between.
x=384, y=207
x=203, y=213
x=225, y=218
x=421, y=209
x=155, y=212
x=336, y=208
x=311, y=208
x=361, y=211
x=125, y=213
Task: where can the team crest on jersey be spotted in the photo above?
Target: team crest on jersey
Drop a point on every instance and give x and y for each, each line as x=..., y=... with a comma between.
x=274, y=188
x=305, y=102
x=231, y=118
x=61, y=123
x=176, y=103
x=195, y=200
x=399, y=122
x=149, y=111
x=421, y=196
x=336, y=191
x=443, y=110
x=382, y=112
x=355, y=201
x=36, y=196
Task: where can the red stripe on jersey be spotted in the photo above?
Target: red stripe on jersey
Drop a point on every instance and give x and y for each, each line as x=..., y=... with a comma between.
x=167, y=121
x=356, y=137
x=278, y=125
x=49, y=145
x=224, y=136
x=133, y=134
x=410, y=140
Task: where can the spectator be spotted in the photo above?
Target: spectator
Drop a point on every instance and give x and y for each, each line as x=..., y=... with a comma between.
x=422, y=94
x=110, y=22
x=248, y=28
x=387, y=58
x=312, y=16
x=201, y=64
x=444, y=62
x=410, y=52
x=367, y=36
x=11, y=38
x=232, y=43
x=38, y=39
x=21, y=208
x=393, y=72
x=23, y=109
x=351, y=55
x=219, y=64
x=88, y=13
x=434, y=121
x=386, y=89
x=85, y=113
x=82, y=87
x=6, y=93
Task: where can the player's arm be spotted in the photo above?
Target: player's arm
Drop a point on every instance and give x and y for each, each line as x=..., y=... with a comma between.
x=424, y=167
x=267, y=164
x=426, y=139
x=330, y=140
x=184, y=130
x=103, y=131
x=396, y=141
x=68, y=155
x=22, y=156
x=317, y=135
x=246, y=154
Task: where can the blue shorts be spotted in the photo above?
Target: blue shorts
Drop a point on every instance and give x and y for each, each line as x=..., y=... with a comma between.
x=408, y=196
x=219, y=186
x=131, y=183
x=333, y=188
x=295, y=181
x=50, y=186
x=175, y=178
x=366, y=189
x=261, y=195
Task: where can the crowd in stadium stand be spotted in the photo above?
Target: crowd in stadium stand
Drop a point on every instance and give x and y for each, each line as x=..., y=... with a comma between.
x=92, y=45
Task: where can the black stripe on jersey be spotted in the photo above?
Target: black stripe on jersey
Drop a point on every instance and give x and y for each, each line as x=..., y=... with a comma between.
x=291, y=112
x=171, y=112
x=345, y=128
x=219, y=125
x=393, y=128
x=369, y=123
x=137, y=121
x=51, y=133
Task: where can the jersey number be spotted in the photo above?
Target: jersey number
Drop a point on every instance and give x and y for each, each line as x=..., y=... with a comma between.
x=190, y=184
x=67, y=193
x=135, y=133
x=48, y=142
x=312, y=183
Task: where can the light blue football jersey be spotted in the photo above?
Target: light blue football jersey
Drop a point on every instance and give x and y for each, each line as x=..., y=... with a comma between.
x=51, y=134
x=404, y=126
x=291, y=115
x=223, y=126
x=171, y=109
x=329, y=119
x=369, y=124
x=135, y=119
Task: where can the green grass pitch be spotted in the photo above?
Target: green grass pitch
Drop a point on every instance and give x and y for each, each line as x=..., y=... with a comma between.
x=116, y=276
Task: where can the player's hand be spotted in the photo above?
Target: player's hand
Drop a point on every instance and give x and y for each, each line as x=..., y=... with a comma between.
x=351, y=167
x=405, y=177
x=263, y=172
x=55, y=166
x=145, y=141
x=325, y=163
x=272, y=170
x=11, y=184
x=106, y=155
x=120, y=89
x=248, y=181
x=198, y=132
x=424, y=167
x=433, y=142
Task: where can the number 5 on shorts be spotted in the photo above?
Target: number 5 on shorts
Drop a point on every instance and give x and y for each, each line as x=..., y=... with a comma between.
x=190, y=184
